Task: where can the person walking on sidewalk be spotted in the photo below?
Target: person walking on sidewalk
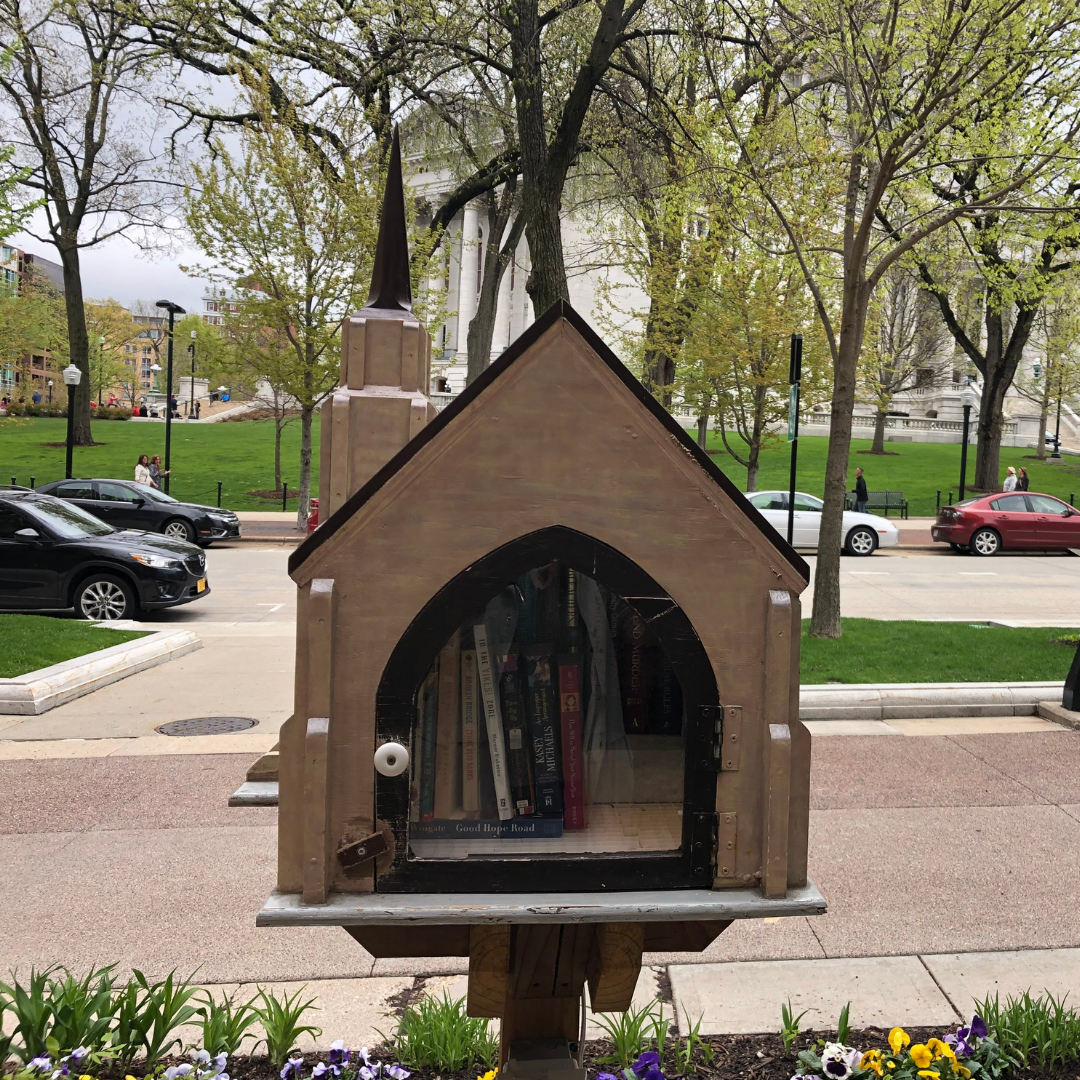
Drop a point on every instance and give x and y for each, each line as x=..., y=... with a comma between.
x=1010, y=480
x=860, y=492
x=1022, y=480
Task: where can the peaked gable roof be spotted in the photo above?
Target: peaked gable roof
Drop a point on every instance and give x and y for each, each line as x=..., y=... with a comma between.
x=560, y=310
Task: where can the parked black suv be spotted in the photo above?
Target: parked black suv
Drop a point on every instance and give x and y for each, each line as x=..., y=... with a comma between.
x=53, y=554
x=127, y=505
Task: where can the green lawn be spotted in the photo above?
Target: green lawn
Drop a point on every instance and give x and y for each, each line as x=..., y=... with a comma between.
x=241, y=455
x=37, y=641
x=918, y=469
x=883, y=651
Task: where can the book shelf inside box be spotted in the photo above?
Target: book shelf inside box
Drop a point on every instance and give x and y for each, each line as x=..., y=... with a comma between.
x=550, y=721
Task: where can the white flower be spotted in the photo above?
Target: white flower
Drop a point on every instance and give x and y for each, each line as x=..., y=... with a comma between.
x=178, y=1070
x=338, y=1044
x=200, y=1057
x=838, y=1061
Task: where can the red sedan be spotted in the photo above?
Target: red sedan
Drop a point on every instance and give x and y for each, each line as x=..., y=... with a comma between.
x=1012, y=520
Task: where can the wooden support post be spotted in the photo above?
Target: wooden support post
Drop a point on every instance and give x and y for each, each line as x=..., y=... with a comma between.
x=777, y=803
x=317, y=868
x=615, y=965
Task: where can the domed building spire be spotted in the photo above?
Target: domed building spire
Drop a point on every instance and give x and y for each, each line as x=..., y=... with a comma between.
x=390, y=288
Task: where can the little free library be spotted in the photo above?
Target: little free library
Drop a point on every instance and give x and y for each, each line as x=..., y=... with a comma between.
x=546, y=700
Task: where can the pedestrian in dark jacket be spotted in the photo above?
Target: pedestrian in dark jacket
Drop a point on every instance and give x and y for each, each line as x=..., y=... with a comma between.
x=1022, y=479
x=860, y=492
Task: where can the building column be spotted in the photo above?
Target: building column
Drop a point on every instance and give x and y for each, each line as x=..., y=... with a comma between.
x=466, y=299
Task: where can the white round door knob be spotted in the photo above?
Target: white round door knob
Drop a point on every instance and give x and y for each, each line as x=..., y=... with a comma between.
x=391, y=759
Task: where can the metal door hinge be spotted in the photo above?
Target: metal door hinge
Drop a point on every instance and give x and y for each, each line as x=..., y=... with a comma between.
x=703, y=846
x=731, y=739
x=712, y=734
x=725, y=845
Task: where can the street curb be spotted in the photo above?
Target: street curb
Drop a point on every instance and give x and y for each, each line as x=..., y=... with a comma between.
x=39, y=691
x=922, y=701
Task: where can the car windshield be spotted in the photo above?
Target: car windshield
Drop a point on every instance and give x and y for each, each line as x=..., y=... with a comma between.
x=157, y=496
x=66, y=519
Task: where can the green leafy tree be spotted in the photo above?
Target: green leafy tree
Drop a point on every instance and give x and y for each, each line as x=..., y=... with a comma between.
x=890, y=95
x=109, y=328
x=294, y=238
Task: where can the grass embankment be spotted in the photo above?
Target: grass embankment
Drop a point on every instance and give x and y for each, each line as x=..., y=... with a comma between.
x=884, y=651
x=37, y=641
x=239, y=454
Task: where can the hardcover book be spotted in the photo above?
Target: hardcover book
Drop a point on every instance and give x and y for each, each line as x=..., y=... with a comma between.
x=431, y=724
x=470, y=743
x=543, y=730
x=573, y=765
x=518, y=743
x=517, y=828
x=493, y=722
x=448, y=738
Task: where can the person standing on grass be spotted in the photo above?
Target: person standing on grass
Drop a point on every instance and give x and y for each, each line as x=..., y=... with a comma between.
x=861, y=495
x=142, y=472
x=156, y=472
x=1022, y=480
x=1010, y=480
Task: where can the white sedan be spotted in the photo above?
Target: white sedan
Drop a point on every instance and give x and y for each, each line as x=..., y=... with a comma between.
x=863, y=533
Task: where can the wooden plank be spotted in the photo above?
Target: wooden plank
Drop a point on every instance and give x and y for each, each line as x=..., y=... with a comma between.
x=615, y=965
x=387, y=941
x=316, y=811
x=534, y=956
x=682, y=936
x=489, y=970
x=487, y=908
x=265, y=769
x=777, y=805
x=320, y=672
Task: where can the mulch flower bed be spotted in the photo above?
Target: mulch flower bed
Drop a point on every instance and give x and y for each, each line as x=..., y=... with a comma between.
x=737, y=1057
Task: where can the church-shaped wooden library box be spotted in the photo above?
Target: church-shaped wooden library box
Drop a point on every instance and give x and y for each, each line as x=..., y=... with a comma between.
x=547, y=662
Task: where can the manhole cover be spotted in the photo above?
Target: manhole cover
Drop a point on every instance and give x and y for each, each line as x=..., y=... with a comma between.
x=207, y=725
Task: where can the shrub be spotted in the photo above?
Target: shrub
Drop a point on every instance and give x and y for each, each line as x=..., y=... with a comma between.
x=104, y=412
x=437, y=1033
x=1038, y=1033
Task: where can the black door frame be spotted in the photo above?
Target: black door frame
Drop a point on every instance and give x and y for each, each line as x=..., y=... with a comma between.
x=691, y=867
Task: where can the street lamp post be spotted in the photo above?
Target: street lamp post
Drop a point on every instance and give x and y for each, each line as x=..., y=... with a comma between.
x=968, y=399
x=72, y=377
x=50, y=390
x=1056, y=455
x=173, y=310
x=191, y=351
x=101, y=368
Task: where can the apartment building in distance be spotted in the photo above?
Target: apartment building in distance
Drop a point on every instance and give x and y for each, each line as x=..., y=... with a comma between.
x=19, y=379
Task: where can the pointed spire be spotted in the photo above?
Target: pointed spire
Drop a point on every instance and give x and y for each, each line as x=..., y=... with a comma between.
x=390, y=288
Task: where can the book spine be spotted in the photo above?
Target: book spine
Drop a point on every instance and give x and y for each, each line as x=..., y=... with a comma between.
x=470, y=786
x=634, y=671
x=573, y=764
x=543, y=731
x=431, y=725
x=447, y=759
x=493, y=722
x=517, y=828
x=518, y=744
x=665, y=711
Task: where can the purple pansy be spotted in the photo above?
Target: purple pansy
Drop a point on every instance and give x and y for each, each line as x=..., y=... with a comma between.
x=293, y=1068
x=339, y=1053
x=40, y=1064
x=397, y=1072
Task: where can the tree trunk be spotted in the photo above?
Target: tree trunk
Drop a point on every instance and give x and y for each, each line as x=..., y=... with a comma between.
x=78, y=343
x=543, y=230
x=279, y=427
x=825, y=621
x=302, y=512
x=497, y=258
x=752, y=467
x=878, y=446
x=703, y=430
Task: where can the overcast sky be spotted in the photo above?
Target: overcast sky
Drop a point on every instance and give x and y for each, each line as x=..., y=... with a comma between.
x=117, y=269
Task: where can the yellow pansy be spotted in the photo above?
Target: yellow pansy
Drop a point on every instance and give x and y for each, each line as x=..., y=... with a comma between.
x=921, y=1055
x=890, y=1065
x=961, y=1071
x=898, y=1039
x=930, y=1074
x=940, y=1049
x=872, y=1060
x=488, y=1075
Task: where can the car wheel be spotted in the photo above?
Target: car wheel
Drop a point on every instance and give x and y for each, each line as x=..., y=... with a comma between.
x=102, y=598
x=986, y=542
x=861, y=541
x=180, y=530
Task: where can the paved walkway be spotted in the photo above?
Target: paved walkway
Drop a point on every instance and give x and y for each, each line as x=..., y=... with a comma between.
x=926, y=848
